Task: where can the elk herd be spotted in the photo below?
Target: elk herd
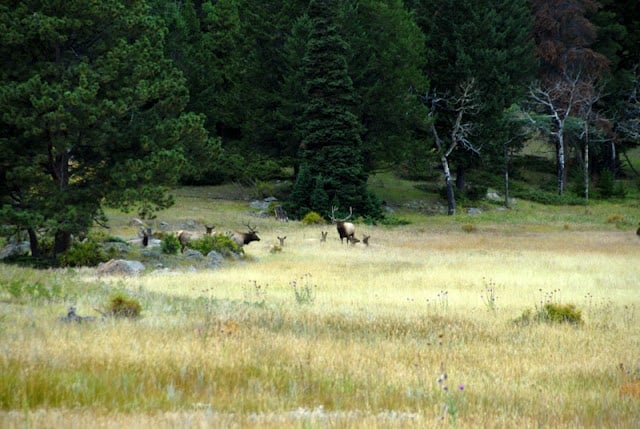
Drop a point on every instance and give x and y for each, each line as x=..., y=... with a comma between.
x=344, y=228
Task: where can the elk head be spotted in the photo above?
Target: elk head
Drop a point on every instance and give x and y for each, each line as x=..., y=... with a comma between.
x=281, y=239
x=365, y=239
x=324, y=236
x=242, y=238
x=345, y=229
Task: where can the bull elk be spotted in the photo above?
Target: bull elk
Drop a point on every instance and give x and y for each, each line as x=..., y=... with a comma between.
x=345, y=229
x=242, y=238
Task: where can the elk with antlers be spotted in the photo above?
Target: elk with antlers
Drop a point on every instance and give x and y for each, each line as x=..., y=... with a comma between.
x=242, y=238
x=345, y=229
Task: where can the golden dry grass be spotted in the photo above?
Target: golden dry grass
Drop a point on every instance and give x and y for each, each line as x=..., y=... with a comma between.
x=233, y=347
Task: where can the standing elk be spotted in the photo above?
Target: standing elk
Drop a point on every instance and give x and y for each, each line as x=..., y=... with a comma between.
x=345, y=229
x=242, y=238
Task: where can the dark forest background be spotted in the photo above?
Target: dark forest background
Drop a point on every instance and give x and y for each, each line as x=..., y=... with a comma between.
x=111, y=103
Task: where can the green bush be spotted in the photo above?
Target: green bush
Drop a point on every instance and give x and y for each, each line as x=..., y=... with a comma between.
x=551, y=313
x=170, y=244
x=563, y=313
x=88, y=253
x=123, y=306
x=217, y=242
x=313, y=218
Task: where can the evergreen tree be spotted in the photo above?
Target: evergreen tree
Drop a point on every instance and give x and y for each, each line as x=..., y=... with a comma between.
x=485, y=42
x=92, y=114
x=386, y=61
x=331, y=147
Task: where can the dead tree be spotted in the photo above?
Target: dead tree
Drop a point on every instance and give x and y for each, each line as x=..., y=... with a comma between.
x=558, y=100
x=460, y=107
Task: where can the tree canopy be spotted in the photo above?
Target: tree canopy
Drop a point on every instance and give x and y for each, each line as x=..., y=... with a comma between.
x=93, y=114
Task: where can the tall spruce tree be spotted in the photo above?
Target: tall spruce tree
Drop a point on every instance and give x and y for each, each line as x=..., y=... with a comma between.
x=331, y=163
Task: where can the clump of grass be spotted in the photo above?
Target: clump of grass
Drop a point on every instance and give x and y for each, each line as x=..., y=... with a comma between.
x=123, y=306
x=630, y=380
x=303, y=290
x=488, y=296
x=615, y=218
x=468, y=228
x=441, y=301
x=255, y=293
x=551, y=313
x=22, y=291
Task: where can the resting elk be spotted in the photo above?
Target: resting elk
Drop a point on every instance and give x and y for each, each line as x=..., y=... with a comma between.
x=345, y=229
x=242, y=238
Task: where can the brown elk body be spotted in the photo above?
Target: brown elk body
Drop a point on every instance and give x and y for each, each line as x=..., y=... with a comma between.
x=242, y=238
x=185, y=237
x=345, y=229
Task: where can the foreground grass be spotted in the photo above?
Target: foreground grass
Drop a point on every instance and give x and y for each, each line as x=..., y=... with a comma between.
x=329, y=335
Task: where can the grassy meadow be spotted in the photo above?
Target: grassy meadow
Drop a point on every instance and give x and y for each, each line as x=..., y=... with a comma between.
x=431, y=325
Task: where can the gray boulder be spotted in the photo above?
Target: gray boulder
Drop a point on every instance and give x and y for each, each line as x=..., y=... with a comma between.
x=121, y=267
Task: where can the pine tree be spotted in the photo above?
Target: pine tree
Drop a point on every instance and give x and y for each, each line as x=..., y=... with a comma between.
x=93, y=114
x=331, y=146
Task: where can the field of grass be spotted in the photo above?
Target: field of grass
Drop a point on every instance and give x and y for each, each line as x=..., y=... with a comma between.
x=333, y=335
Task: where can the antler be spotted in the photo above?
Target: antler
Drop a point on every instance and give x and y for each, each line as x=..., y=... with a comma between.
x=333, y=219
x=251, y=229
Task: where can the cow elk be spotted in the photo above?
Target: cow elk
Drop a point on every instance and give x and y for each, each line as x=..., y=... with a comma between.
x=345, y=229
x=242, y=238
x=185, y=237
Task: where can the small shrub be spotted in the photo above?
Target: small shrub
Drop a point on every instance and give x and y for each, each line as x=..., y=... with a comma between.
x=217, y=242
x=88, y=253
x=551, y=313
x=313, y=218
x=467, y=228
x=170, y=244
x=563, y=313
x=123, y=306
